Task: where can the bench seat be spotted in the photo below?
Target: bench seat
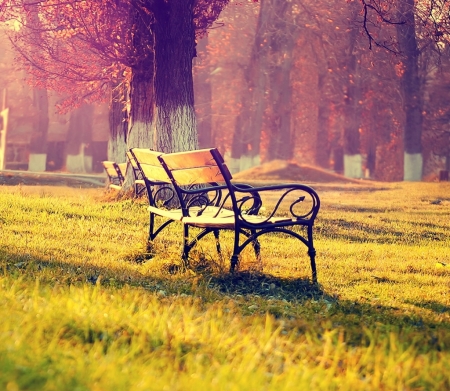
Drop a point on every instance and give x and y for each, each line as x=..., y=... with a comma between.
x=228, y=220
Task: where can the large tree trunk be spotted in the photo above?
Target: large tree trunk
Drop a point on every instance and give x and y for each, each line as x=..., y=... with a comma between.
x=245, y=148
x=161, y=111
x=412, y=95
x=141, y=95
x=203, y=96
x=282, y=43
x=174, y=33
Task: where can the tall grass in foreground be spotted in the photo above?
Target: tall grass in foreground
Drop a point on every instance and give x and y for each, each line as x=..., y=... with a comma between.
x=84, y=305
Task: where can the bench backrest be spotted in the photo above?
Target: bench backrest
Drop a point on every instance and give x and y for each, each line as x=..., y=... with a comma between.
x=149, y=165
x=195, y=167
x=123, y=168
x=136, y=172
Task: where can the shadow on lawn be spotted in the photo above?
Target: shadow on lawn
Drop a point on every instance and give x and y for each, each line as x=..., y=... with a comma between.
x=434, y=306
x=372, y=232
x=303, y=305
x=266, y=286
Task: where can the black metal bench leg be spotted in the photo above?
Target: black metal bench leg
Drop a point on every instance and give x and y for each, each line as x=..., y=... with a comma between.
x=235, y=257
x=256, y=246
x=234, y=263
x=151, y=227
x=312, y=256
x=216, y=236
x=186, y=246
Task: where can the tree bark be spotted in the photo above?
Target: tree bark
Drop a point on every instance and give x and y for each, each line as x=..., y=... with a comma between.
x=176, y=128
x=141, y=93
x=38, y=142
x=323, y=137
x=117, y=143
x=411, y=89
x=203, y=96
x=247, y=132
x=323, y=122
x=79, y=157
x=352, y=111
x=282, y=43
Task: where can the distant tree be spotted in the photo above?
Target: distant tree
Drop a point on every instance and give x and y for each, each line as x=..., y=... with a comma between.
x=281, y=39
x=229, y=48
x=245, y=147
x=412, y=91
x=203, y=94
x=38, y=140
x=420, y=26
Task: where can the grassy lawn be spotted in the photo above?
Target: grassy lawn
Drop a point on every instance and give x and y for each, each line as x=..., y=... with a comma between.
x=84, y=305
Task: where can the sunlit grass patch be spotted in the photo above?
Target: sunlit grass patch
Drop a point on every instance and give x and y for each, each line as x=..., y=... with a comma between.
x=86, y=304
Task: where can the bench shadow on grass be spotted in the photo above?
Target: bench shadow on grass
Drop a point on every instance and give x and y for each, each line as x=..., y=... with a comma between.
x=353, y=317
x=368, y=232
x=266, y=286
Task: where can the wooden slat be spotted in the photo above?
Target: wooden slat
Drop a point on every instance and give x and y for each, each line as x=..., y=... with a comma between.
x=108, y=165
x=198, y=175
x=227, y=222
x=224, y=220
x=154, y=173
x=111, y=171
x=146, y=156
x=189, y=159
x=150, y=165
x=173, y=214
x=132, y=160
x=123, y=168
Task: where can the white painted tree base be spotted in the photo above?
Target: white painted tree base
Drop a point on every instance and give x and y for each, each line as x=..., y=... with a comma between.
x=353, y=166
x=413, y=167
x=37, y=162
x=79, y=163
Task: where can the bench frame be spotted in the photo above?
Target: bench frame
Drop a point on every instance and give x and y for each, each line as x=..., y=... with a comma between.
x=158, y=189
x=139, y=183
x=186, y=169
x=162, y=197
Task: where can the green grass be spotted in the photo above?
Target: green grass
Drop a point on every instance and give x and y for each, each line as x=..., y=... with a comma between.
x=84, y=305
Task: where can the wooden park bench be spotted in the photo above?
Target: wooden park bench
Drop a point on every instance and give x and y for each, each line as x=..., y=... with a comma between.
x=296, y=205
x=115, y=173
x=163, y=201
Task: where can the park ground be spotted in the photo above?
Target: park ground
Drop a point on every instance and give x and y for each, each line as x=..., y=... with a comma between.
x=85, y=305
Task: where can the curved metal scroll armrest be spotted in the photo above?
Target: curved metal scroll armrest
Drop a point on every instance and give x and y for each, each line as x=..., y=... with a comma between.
x=201, y=197
x=163, y=194
x=254, y=197
x=205, y=190
x=307, y=192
